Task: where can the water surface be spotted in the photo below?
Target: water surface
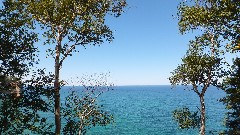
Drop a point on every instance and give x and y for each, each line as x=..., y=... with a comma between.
x=147, y=110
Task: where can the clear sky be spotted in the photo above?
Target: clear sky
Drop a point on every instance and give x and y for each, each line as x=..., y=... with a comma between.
x=146, y=48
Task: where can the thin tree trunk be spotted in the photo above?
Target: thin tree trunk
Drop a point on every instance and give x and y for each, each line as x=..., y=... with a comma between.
x=81, y=126
x=57, y=87
x=203, y=118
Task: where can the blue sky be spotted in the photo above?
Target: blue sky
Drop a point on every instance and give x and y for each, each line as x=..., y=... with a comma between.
x=146, y=48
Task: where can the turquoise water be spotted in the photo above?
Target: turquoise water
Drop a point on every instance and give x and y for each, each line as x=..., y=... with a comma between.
x=147, y=110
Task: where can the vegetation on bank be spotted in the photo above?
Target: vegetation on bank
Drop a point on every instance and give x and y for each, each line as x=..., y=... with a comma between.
x=67, y=24
x=204, y=64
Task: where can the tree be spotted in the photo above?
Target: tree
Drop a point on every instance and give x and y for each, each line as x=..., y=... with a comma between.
x=67, y=24
x=17, y=58
x=201, y=68
x=218, y=16
x=81, y=110
x=17, y=52
x=22, y=113
x=232, y=100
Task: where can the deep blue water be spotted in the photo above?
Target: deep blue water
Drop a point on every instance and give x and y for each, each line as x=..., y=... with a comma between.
x=147, y=110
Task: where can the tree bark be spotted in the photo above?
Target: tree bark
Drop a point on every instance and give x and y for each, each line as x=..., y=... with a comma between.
x=57, y=86
x=203, y=118
x=81, y=126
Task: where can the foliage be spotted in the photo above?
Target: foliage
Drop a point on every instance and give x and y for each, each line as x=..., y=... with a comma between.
x=232, y=100
x=64, y=24
x=218, y=16
x=81, y=110
x=218, y=22
x=186, y=119
x=67, y=24
x=72, y=22
x=20, y=114
x=17, y=52
x=202, y=67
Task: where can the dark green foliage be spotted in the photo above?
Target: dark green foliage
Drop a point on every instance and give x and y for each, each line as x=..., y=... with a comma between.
x=38, y=91
x=66, y=24
x=20, y=114
x=232, y=100
x=9, y=116
x=186, y=119
x=17, y=52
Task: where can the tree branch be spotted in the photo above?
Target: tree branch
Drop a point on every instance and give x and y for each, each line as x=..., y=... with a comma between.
x=91, y=104
x=69, y=51
x=207, y=83
x=195, y=88
x=66, y=54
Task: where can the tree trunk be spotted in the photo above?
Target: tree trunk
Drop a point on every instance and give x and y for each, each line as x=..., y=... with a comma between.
x=203, y=120
x=57, y=88
x=81, y=125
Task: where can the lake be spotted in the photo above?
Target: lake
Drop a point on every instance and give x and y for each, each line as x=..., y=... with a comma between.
x=147, y=110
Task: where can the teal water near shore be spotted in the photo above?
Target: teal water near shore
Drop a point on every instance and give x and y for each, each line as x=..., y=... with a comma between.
x=147, y=110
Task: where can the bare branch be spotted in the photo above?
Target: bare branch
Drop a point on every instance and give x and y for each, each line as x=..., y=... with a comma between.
x=92, y=102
